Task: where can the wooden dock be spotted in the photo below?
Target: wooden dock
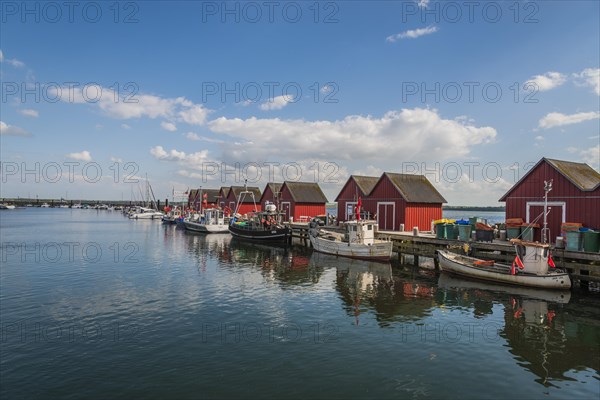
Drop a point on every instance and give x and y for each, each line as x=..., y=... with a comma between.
x=582, y=266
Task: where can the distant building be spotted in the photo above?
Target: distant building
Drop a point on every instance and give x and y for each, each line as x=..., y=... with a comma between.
x=222, y=197
x=575, y=196
x=356, y=186
x=405, y=199
x=197, y=197
x=302, y=200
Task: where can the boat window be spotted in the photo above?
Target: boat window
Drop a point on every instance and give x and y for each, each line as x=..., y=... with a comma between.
x=545, y=253
x=370, y=227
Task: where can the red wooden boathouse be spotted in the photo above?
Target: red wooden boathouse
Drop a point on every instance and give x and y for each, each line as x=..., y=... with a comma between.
x=302, y=200
x=356, y=186
x=404, y=199
x=247, y=202
x=271, y=194
x=575, y=196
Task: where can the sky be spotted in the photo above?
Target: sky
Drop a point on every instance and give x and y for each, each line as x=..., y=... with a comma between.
x=97, y=97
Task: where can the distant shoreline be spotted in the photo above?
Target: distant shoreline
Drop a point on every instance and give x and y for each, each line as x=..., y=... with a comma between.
x=474, y=208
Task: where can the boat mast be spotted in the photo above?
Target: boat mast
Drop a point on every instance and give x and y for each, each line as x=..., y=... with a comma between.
x=547, y=188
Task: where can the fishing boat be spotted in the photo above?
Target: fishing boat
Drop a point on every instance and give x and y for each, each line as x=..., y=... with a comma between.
x=211, y=221
x=7, y=207
x=45, y=205
x=264, y=226
x=172, y=215
x=358, y=242
x=531, y=266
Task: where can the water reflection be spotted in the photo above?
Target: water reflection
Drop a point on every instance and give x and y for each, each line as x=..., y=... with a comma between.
x=546, y=334
x=289, y=267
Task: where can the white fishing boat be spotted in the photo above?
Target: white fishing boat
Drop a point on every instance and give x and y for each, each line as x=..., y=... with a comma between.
x=78, y=205
x=358, y=241
x=45, y=205
x=211, y=221
x=145, y=213
x=7, y=207
x=531, y=266
x=534, y=258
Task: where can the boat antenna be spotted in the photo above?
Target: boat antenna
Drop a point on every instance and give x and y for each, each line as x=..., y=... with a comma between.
x=547, y=189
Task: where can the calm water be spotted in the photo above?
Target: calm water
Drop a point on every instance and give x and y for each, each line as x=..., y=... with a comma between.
x=99, y=306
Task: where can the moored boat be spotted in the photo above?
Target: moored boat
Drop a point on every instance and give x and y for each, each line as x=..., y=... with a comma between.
x=530, y=267
x=358, y=242
x=7, y=207
x=211, y=221
x=263, y=226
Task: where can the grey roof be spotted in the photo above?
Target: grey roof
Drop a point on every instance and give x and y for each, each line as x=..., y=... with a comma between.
x=415, y=188
x=275, y=187
x=365, y=184
x=580, y=174
x=212, y=195
x=306, y=192
x=225, y=190
x=584, y=177
x=247, y=197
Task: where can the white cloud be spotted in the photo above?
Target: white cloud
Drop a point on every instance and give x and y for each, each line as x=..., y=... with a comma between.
x=539, y=138
x=28, y=112
x=412, y=34
x=589, y=77
x=134, y=106
x=160, y=154
x=125, y=126
x=12, y=61
x=168, y=126
x=81, y=156
x=276, y=103
x=406, y=134
x=116, y=159
x=195, y=137
x=547, y=81
x=192, y=160
x=591, y=156
x=11, y=130
x=554, y=119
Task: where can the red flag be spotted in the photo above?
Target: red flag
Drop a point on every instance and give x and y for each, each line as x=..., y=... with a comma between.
x=358, y=205
x=513, y=271
x=519, y=262
x=205, y=195
x=551, y=261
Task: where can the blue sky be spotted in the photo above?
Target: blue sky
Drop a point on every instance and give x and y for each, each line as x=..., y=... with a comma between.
x=468, y=93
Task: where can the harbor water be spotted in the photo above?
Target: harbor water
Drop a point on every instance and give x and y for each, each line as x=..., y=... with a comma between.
x=94, y=305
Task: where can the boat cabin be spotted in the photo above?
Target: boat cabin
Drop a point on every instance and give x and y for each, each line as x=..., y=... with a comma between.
x=362, y=231
x=534, y=256
x=214, y=216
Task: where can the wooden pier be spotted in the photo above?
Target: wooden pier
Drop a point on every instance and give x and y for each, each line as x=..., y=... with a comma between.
x=582, y=266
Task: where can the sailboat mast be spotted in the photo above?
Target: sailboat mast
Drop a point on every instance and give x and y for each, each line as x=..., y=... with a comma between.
x=547, y=188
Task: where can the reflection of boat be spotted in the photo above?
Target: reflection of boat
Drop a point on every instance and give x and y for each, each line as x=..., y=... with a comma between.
x=448, y=281
x=533, y=272
x=358, y=242
x=212, y=221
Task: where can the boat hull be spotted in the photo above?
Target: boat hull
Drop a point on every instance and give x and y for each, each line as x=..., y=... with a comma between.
x=379, y=251
x=203, y=228
x=460, y=265
x=280, y=235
